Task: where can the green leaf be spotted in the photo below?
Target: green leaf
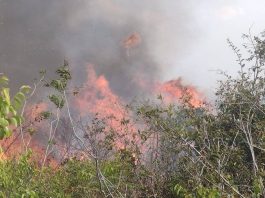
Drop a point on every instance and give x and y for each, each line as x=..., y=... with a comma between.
x=8, y=132
x=13, y=121
x=21, y=96
x=16, y=103
x=19, y=119
x=4, y=80
x=3, y=122
x=12, y=110
x=25, y=89
x=18, y=100
x=2, y=133
x=6, y=95
x=5, y=109
x=57, y=100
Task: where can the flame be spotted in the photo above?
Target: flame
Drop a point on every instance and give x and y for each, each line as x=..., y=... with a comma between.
x=175, y=90
x=33, y=112
x=14, y=146
x=132, y=41
x=3, y=157
x=97, y=98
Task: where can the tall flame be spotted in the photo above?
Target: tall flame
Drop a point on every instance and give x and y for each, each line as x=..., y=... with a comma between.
x=97, y=98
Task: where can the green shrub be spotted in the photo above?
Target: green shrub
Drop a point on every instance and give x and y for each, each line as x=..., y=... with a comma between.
x=9, y=107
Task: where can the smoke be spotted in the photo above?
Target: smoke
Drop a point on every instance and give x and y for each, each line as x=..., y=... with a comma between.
x=129, y=43
x=37, y=34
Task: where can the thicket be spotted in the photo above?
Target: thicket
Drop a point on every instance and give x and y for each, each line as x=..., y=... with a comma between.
x=179, y=151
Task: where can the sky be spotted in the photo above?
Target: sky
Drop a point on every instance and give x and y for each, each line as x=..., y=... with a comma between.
x=216, y=22
x=179, y=38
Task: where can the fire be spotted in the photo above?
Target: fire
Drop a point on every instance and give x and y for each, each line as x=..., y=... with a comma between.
x=2, y=156
x=33, y=112
x=17, y=144
x=98, y=99
x=175, y=90
x=132, y=40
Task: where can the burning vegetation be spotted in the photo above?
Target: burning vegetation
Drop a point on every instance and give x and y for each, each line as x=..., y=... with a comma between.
x=94, y=99
x=85, y=142
x=175, y=90
x=92, y=126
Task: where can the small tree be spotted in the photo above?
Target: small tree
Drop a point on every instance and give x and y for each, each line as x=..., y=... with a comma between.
x=9, y=107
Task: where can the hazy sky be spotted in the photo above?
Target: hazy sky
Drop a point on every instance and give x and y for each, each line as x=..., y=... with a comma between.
x=216, y=21
x=179, y=38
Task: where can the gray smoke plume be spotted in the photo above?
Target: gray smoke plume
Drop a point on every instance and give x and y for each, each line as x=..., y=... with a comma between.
x=38, y=34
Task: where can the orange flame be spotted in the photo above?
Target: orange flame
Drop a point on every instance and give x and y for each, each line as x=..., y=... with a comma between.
x=132, y=41
x=97, y=98
x=33, y=112
x=14, y=145
x=175, y=90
